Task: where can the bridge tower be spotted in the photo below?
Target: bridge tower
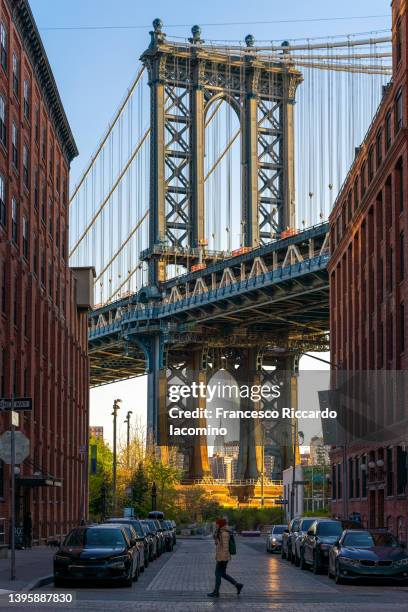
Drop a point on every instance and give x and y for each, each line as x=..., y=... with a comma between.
x=185, y=79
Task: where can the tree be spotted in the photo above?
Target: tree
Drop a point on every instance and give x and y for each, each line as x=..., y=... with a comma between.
x=139, y=486
x=100, y=479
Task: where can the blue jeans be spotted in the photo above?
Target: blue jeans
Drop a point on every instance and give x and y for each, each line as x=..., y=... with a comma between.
x=221, y=572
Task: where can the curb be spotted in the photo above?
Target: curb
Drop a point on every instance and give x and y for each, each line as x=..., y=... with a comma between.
x=37, y=582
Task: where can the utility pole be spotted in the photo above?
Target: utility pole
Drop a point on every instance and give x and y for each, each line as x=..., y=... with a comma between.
x=292, y=491
x=127, y=421
x=116, y=407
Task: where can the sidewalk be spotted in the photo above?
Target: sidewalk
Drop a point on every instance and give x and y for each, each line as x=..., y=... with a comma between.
x=31, y=564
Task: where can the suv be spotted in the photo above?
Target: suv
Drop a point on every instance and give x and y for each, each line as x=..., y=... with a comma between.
x=151, y=524
x=168, y=535
x=171, y=525
x=274, y=538
x=299, y=537
x=287, y=536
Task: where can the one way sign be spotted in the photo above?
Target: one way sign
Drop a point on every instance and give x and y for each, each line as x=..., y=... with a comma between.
x=19, y=403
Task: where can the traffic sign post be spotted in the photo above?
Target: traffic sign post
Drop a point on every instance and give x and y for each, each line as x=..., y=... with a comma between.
x=18, y=403
x=13, y=501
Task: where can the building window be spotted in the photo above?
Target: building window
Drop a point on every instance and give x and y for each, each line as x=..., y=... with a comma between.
x=334, y=488
x=400, y=184
x=378, y=146
x=36, y=186
x=402, y=256
x=50, y=218
x=14, y=142
x=2, y=201
x=364, y=476
x=371, y=164
x=64, y=190
x=43, y=200
x=44, y=143
x=351, y=478
x=363, y=179
x=16, y=80
x=339, y=488
x=58, y=177
x=26, y=166
x=37, y=124
x=26, y=95
x=15, y=302
x=401, y=470
x=35, y=256
x=3, y=124
x=3, y=47
x=50, y=279
x=14, y=220
x=398, y=111
x=51, y=160
x=402, y=328
x=357, y=468
x=4, y=289
x=355, y=189
x=388, y=130
x=43, y=269
x=25, y=238
x=398, y=41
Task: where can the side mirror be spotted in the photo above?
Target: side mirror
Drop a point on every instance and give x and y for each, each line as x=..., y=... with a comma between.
x=133, y=542
x=337, y=543
x=286, y=531
x=310, y=532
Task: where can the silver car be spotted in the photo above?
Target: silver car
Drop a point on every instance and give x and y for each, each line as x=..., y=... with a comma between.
x=298, y=538
x=274, y=538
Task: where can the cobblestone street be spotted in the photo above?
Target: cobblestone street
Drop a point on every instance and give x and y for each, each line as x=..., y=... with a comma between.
x=179, y=582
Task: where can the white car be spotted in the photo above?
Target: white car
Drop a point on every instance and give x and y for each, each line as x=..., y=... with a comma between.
x=274, y=538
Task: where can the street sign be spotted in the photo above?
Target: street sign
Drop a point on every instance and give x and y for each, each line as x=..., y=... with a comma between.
x=22, y=447
x=281, y=502
x=15, y=418
x=19, y=403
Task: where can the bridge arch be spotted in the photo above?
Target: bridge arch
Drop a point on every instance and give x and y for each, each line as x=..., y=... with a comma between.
x=223, y=173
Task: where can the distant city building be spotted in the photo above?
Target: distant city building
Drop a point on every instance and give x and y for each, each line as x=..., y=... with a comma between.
x=231, y=449
x=96, y=431
x=319, y=453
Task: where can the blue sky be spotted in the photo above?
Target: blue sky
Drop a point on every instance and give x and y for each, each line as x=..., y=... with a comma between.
x=93, y=68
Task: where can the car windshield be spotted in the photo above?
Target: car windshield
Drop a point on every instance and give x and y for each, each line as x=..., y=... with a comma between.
x=365, y=539
x=306, y=523
x=278, y=529
x=96, y=538
x=151, y=525
x=138, y=528
x=329, y=528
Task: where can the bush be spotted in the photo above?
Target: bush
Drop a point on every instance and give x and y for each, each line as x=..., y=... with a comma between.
x=252, y=518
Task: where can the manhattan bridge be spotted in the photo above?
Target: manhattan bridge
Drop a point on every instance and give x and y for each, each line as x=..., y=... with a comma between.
x=204, y=211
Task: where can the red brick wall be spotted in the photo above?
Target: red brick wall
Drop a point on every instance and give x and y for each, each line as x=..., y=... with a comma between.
x=369, y=265
x=43, y=340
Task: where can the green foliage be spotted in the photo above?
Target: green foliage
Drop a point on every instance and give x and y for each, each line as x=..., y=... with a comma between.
x=252, y=518
x=100, y=484
x=322, y=512
x=139, y=486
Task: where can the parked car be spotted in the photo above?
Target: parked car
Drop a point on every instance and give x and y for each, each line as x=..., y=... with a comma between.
x=171, y=525
x=151, y=535
x=141, y=537
x=102, y=552
x=299, y=537
x=274, y=538
x=320, y=537
x=157, y=534
x=287, y=536
x=367, y=554
x=161, y=534
x=168, y=535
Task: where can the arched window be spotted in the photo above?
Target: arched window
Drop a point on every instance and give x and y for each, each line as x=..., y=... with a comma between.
x=16, y=75
x=2, y=201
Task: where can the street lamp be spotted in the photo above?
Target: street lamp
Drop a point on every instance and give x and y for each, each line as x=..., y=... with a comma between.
x=116, y=407
x=298, y=438
x=127, y=421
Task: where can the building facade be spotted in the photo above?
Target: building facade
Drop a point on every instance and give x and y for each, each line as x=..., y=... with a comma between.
x=369, y=293
x=43, y=313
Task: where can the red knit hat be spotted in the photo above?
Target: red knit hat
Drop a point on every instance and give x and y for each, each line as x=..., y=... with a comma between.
x=221, y=522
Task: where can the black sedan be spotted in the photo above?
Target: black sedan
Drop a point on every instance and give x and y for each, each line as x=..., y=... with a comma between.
x=368, y=554
x=141, y=536
x=100, y=552
x=319, y=539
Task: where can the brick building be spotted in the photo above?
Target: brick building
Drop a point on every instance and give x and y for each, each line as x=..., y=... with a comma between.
x=369, y=291
x=43, y=320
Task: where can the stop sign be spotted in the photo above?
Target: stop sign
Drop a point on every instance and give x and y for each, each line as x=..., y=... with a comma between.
x=21, y=445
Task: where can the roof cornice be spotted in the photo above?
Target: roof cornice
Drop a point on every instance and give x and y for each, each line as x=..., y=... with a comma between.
x=31, y=39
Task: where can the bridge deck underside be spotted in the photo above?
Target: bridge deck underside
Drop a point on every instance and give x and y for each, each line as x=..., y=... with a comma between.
x=112, y=360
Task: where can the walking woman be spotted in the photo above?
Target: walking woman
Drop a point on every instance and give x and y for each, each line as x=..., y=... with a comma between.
x=222, y=556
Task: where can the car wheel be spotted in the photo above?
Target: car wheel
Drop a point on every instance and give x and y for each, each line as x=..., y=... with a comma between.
x=302, y=562
x=315, y=566
x=59, y=582
x=146, y=561
x=297, y=560
x=292, y=558
x=127, y=582
x=283, y=554
x=289, y=555
x=136, y=574
x=337, y=578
